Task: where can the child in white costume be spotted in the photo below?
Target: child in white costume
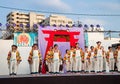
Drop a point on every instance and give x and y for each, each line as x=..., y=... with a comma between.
x=67, y=60
x=49, y=60
x=56, y=59
x=92, y=59
x=105, y=64
x=99, y=58
x=35, y=59
x=86, y=60
x=110, y=58
x=78, y=57
x=14, y=60
x=71, y=58
x=117, y=57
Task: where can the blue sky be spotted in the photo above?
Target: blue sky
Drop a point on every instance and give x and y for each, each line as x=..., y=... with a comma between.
x=74, y=6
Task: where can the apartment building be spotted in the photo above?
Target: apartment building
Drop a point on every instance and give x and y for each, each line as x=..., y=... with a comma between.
x=27, y=19
x=58, y=20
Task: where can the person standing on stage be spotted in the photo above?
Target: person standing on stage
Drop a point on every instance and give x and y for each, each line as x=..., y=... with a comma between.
x=67, y=60
x=92, y=59
x=99, y=57
x=14, y=60
x=30, y=62
x=86, y=60
x=78, y=58
x=105, y=65
x=71, y=58
x=56, y=59
x=110, y=58
x=117, y=57
x=49, y=59
x=35, y=59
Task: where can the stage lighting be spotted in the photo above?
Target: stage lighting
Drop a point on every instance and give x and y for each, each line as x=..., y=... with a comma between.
x=73, y=25
x=42, y=25
x=7, y=24
x=54, y=25
x=0, y=24
x=35, y=26
x=67, y=25
x=28, y=25
x=86, y=26
x=97, y=25
x=60, y=25
x=80, y=25
x=21, y=25
x=13, y=24
x=92, y=25
x=48, y=24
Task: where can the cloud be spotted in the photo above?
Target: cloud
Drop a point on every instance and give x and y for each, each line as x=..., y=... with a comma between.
x=54, y=4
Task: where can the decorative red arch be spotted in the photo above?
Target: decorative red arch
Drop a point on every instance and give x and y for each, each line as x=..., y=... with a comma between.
x=61, y=34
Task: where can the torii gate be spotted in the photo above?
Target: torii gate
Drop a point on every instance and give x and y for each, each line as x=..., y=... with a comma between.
x=59, y=36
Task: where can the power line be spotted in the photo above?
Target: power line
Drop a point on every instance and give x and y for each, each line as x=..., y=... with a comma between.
x=48, y=12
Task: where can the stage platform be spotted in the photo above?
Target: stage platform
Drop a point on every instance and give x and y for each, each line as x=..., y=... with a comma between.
x=74, y=78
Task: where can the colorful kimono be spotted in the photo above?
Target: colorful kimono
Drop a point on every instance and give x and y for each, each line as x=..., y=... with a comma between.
x=99, y=59
x=35, y=59
x=67, y=62
x=117, y=58
x=56, y=61
x=78, y=58
x=86, y=61
x=71, y=60
x=110, y=60
x=49, y=61
x=92, y=61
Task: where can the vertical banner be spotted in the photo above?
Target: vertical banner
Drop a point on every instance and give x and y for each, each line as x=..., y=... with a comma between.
x=86, y=39
x=25, y=39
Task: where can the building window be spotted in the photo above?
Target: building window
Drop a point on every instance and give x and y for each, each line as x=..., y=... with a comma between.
x=17, y=13
x=12, y=15
x=53, y=20
x=69, y=22
x=17, y=21
x=12, y=19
